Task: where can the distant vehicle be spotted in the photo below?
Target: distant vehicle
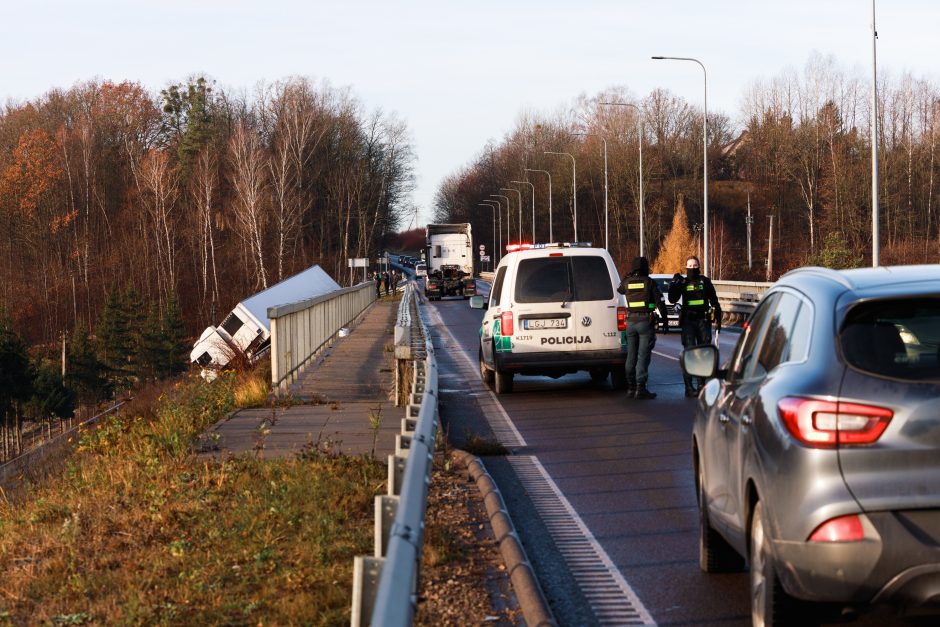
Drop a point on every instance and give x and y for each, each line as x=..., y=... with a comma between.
x=421, y=270
x=662, y=282
x=449, y=281
x=816, y=449
x=449, y=246
x=247, y=329
x=553, y=310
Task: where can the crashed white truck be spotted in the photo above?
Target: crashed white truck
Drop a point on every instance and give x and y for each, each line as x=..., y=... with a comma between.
x=247, y=330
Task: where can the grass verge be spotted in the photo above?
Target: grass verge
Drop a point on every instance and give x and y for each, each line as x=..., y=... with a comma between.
x=139, y=530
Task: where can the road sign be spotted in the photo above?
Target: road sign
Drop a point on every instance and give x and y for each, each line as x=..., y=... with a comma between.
x=484, y=257
x=482, y=248
x=357, y=262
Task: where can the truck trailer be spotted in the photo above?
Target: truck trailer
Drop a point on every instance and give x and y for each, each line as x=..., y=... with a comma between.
x=449, y=258
x=246, y=330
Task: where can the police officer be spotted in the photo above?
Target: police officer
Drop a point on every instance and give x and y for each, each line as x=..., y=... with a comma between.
x=378, y=284
x=699, y=308
x=643, y=299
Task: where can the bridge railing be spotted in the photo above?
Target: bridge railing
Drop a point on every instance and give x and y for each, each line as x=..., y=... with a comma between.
x=739, y=298
x=301, y=330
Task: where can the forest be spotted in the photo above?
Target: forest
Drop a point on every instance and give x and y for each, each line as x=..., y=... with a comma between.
x=798, y=155
x=131, y=219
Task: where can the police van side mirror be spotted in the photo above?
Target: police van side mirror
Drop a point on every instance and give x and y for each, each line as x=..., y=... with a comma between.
x=477, y=302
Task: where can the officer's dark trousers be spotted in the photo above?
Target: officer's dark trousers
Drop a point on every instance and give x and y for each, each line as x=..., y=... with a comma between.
x=696, y=330
x=641, y=338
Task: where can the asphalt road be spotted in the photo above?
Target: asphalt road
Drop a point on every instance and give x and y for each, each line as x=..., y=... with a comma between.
x=599, y=486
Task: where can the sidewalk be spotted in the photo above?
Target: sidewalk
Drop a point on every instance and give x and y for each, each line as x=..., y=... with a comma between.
x=351, y=382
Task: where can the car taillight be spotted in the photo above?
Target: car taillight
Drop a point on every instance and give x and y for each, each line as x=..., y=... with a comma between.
x=505, y=323
x=432, y=285
x=842, y=529
x=826, y=424
x=621, y=318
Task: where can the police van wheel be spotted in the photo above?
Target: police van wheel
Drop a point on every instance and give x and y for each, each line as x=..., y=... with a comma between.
x=618, y=377
x=503, y=382
x=486, y=375
x=598, y=375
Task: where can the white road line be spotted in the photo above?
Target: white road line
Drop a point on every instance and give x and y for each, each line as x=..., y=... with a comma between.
x=611, y=598
x=503, y=426
x=665, y=355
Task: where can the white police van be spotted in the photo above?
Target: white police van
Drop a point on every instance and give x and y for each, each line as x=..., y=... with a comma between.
x=553, y=310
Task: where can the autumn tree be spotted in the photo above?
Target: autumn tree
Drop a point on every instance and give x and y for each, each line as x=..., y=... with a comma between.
x=678, y=245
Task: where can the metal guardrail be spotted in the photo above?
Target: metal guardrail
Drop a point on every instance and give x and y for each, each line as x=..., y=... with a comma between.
x=385, y=585
x=299, y=331
x=738, y=299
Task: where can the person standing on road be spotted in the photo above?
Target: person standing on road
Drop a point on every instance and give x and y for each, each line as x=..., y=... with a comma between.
x=643, y=299
x=378, y=284
x=699, y=308
x=387, y=280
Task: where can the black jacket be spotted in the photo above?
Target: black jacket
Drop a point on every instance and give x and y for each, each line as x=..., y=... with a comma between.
x=677, y=292
x=653, y=295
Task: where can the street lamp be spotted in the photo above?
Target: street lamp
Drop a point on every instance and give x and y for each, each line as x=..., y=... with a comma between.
x=518, y=193
x=574, y=188
x=875, y=234
x=533, y=204
x=550, y=238
x=606, y=213
x=640, y=118
x=492, y=204
x=704, y=148
x=506, y=198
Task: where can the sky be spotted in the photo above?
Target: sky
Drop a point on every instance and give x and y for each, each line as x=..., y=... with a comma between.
x=458, y=73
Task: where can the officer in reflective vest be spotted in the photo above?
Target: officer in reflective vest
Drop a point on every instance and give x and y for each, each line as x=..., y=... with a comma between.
x=699, y=308
x=643, y=299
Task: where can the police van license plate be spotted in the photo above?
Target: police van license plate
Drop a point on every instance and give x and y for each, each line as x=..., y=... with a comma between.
x=673, y=323
x=546, y=323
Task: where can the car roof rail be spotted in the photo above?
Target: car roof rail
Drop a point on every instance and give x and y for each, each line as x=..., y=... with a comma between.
x=828, y=273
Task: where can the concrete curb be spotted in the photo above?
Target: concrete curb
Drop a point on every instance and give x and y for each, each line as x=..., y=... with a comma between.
x=521, y=574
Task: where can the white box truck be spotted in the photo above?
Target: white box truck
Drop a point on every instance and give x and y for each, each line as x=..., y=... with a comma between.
x=449, y=257
x=247, y=329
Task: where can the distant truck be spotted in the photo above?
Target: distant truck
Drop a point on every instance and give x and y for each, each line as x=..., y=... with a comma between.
x=246, y=330
x=449, y=257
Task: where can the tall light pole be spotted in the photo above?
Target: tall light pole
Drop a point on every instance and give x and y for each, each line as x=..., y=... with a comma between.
x=519, y=194
x=546, y=172
x=704, y=149
x=641, y=133
x=507, y=213
x=492, y=204
x=875, y=234
x=533, y=204
x=574, y=188
x=606, y=213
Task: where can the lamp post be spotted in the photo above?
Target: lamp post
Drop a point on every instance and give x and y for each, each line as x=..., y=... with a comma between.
x=704, y=148
x=606, y=213
x=550, y=237
x=574, y=188
x=533, y=204
x=875, y=234
x=507, y=213
x=518, y=193
x=641, y=133
x=492, y=204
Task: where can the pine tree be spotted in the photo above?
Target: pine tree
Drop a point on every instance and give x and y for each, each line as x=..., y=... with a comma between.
x=678, y=245
x=118, y=336
x=177, y=349
x=84, y=372
x=50, y=395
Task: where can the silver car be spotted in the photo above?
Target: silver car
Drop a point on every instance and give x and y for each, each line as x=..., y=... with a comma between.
x=816, y=448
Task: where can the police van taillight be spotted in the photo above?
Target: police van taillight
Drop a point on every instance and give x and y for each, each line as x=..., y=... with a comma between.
x=505, y=323
x=621, y=318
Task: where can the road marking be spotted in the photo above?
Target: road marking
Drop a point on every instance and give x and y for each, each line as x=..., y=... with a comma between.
x=502, y=425
x=666, y=356
x=611, y=598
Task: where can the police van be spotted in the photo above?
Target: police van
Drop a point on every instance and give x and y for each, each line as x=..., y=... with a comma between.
x=553, y=310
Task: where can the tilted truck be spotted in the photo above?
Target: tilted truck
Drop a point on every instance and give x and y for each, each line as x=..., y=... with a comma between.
x=247, y=330
x=449, y=258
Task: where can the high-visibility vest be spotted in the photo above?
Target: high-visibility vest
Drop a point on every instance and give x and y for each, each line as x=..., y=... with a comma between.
x=694, y=296
x=636, y=295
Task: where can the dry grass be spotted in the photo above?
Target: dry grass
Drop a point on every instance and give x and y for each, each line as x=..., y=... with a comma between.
x=140, y=531
x=251, y=390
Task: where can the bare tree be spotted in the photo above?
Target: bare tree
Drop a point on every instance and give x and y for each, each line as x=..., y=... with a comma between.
x=249, y=180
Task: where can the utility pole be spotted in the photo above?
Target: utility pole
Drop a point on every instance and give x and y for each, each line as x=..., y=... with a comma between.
x=875, y=234
x=749, y=221
x=770, y=249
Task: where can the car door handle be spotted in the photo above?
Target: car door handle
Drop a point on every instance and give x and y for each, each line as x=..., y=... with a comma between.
x=747, y=420
x=723, y=417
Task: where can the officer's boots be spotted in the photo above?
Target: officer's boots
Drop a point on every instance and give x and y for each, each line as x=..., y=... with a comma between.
x=631, y=388
x=690, y=392
x=643, y=393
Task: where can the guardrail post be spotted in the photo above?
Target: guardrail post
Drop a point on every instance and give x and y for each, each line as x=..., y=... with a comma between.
x=386, y=507
x=396, y=470
x=366, y=572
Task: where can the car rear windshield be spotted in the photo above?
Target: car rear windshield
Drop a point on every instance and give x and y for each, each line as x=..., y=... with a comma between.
x=563, y=279
x=894, y=338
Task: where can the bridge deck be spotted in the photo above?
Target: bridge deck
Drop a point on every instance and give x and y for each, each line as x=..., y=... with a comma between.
x=352, y=380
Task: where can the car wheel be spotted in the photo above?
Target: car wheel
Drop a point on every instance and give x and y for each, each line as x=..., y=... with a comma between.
x=715, y=555
x=598, y=375
x=503, y=382
x=486, y=375
x=618, y=377
x=770, y=604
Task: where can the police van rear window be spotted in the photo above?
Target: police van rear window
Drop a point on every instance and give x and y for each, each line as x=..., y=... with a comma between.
x=563, y=279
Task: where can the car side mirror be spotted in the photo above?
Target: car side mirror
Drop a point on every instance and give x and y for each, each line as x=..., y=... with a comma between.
x=700, y=361
x=477, y=302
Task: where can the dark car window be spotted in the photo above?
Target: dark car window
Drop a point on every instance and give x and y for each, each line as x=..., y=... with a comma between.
x=544, y=280
x=776, y=345
x=497, y=287
x=894, y=338
x=591, y=278
x=753, y=330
